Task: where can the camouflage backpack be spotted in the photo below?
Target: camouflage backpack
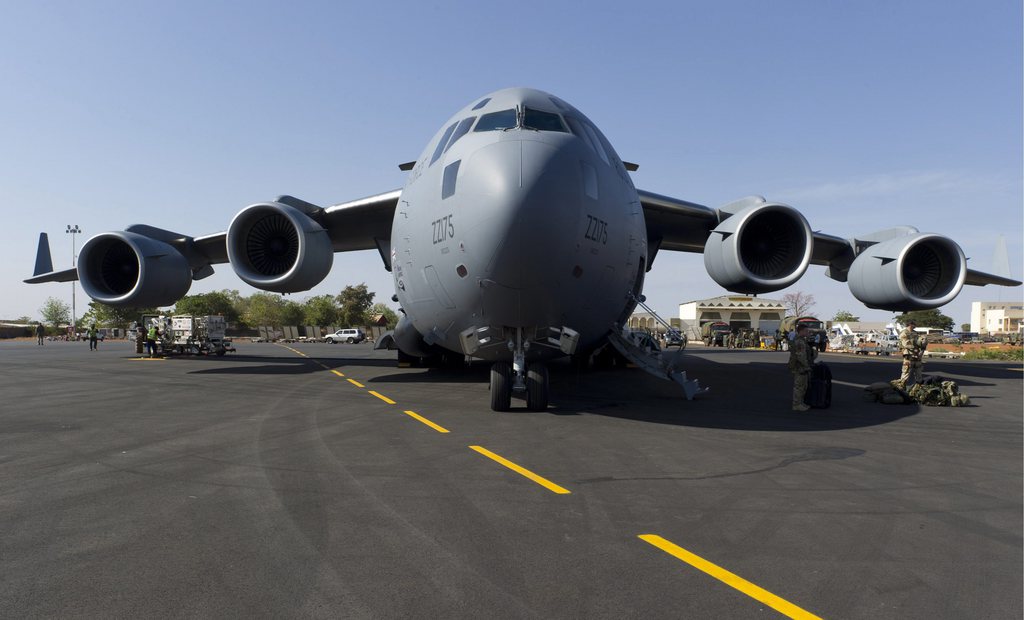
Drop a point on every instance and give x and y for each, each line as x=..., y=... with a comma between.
x=939, y=394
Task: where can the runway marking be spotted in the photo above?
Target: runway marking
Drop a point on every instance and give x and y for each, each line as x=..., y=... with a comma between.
x=780, y=605
x=381, y=396
x=340, y=374
x=146, y=359
x=544, y=482
x=416, y=416
x=356, y=383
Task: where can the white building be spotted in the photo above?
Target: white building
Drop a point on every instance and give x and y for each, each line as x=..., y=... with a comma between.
x=738, y=311
x=996, y=317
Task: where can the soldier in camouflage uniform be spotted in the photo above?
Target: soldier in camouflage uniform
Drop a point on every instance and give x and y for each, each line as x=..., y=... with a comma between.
x=801, y=356
x=912, y=346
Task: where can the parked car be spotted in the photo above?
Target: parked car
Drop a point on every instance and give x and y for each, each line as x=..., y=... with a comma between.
x=350, y=335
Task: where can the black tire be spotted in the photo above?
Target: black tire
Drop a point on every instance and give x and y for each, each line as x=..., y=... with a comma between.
x=351, y=340
x=537, y=387
x=501, y=386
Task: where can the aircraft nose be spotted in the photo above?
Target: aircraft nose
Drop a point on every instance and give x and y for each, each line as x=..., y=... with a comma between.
x=530, y=194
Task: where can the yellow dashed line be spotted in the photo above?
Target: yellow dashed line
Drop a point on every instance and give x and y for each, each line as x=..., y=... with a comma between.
x=522, y=471
x=356, y=383
x=382, y=397
x=416, y=416
x=782, y=606
x=340, y=374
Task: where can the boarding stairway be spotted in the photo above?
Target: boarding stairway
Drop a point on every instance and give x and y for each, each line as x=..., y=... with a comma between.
x=638, y=348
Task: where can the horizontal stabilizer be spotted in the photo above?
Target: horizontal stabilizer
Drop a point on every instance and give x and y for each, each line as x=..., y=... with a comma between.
x=68, y=275
x=980, y=278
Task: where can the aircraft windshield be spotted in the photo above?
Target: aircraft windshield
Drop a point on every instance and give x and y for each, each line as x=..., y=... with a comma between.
x=496, y=121
x=543, y=121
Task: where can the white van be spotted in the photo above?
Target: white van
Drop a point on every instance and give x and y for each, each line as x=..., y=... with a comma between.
x=351, y=336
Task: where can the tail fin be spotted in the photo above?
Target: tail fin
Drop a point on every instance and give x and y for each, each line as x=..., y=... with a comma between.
x=43, y=262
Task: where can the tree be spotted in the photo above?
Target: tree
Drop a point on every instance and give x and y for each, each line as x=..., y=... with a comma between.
x=390, y=315
x=213, y=303
x=926, y=318
x=291, y=312
x=263, y=309
x=846, y=317
x=355, y=302
x=113, y=316
x=55, y=312
x=798, y=303
x=965, y=327
x=320, y=310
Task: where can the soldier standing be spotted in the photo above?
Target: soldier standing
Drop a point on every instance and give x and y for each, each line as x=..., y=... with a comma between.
x=801, y=356
x=912, y=346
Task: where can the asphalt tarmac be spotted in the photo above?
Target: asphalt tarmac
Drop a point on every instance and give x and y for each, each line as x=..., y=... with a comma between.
x=281, y=481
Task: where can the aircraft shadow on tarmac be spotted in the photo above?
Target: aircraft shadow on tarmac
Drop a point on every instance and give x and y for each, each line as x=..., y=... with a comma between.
x=745, y=396
x=283, y=365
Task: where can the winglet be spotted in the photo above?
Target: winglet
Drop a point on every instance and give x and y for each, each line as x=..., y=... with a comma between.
x=43, y=262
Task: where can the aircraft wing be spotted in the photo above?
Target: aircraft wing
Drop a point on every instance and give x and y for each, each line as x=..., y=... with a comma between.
x=756, y=246
x=354, y=225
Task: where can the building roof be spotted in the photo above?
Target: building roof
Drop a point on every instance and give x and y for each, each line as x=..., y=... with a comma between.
x=739, y=301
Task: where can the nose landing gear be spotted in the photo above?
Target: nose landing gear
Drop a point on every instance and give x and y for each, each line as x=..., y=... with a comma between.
x=531, y=382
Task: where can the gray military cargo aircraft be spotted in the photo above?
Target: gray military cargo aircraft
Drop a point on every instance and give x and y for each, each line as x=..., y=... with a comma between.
x=518, y=237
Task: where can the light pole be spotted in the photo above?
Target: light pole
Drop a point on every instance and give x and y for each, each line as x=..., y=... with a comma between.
x=73, y=230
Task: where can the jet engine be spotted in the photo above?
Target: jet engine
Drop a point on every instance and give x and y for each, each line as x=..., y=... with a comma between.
x=129, y=269
x=918, y=272
x=761, y=248
x=276, y=247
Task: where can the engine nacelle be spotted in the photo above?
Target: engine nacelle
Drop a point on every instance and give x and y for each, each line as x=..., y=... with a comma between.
x=276, y=247
x=128, y=269
x=761, y=248
x=917, y=272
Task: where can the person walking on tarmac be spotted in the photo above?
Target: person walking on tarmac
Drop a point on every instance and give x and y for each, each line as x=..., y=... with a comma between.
x=40, y=332
x=92, y=332
x=912, y=345
x=801, y=357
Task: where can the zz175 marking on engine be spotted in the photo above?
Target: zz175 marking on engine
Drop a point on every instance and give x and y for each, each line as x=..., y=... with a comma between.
x=597, y=230
x=444, y=229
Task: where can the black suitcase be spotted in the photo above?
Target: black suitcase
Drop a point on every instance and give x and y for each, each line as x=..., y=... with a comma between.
x=819, y=387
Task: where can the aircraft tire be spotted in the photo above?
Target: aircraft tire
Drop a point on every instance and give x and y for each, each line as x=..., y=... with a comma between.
x=501, y=386
x=537, y=387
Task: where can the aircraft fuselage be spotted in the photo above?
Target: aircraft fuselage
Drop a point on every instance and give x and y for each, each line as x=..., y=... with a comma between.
x=517, y=220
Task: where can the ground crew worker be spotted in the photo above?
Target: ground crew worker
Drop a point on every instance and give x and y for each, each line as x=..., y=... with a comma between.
x=912, y=346
x=151, y=341
x=801, y=357
x=92, y=332
x=40, y=332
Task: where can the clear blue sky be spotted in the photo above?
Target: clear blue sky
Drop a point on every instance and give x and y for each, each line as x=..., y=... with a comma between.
x=864, y=115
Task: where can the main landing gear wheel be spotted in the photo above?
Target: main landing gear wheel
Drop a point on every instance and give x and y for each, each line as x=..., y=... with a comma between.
x=501, y=386
x=537, y=387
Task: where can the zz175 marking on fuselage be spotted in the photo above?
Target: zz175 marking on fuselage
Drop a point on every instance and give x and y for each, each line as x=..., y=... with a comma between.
x=597, y=230
x=444, y=229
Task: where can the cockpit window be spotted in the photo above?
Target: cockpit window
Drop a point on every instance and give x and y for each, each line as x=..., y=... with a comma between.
x=543, y=121
x=441, y=144
x=460, y=131
x=482, y=103
x=495, y=121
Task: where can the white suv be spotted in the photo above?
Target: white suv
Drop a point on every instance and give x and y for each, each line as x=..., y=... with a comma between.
x=350, y=336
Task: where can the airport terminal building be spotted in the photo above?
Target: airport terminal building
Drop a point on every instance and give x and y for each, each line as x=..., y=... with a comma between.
x=996, y=317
